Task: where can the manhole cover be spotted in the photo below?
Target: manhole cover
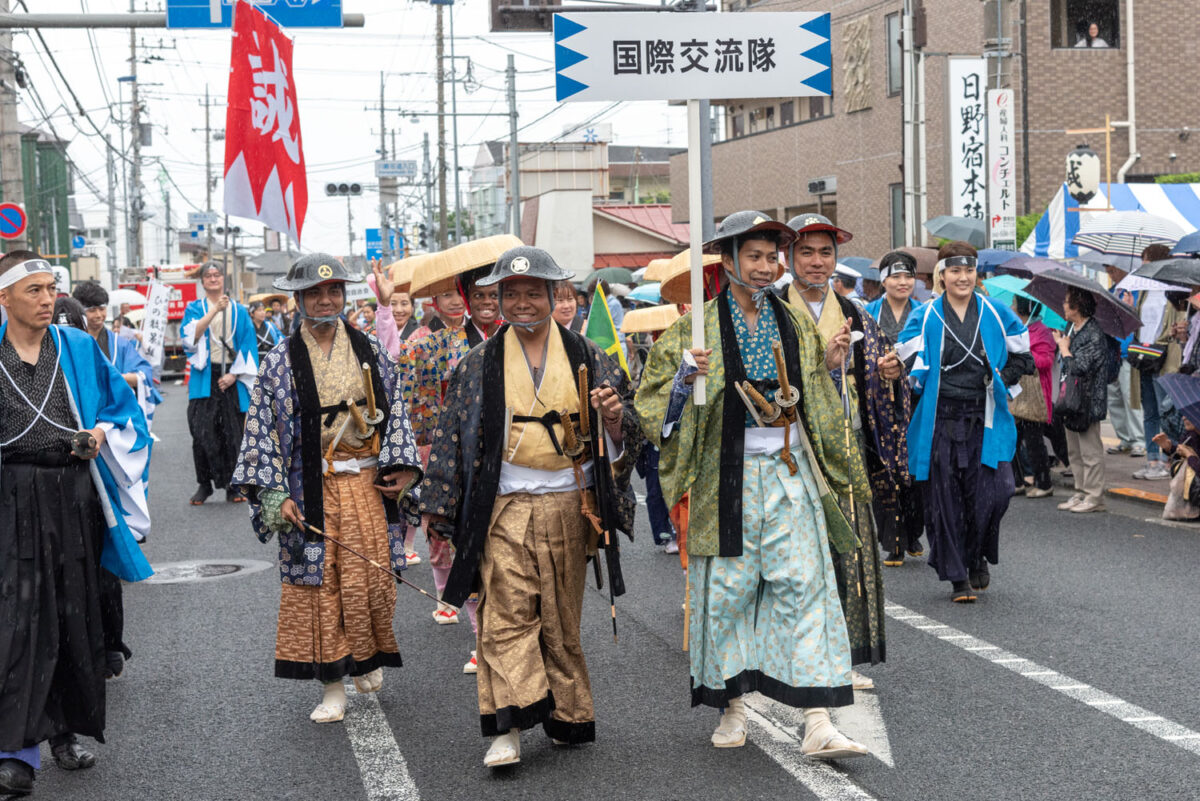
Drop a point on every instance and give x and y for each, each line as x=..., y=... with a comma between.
x=198, y=570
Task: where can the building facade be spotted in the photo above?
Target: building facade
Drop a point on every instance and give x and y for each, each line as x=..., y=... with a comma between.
x=776, y=152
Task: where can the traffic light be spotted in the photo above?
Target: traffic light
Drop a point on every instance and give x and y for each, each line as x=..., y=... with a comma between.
x=423, y=236
x=343, y=188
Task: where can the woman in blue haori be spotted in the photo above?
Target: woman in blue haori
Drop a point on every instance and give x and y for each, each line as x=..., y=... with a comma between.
x=964, y=351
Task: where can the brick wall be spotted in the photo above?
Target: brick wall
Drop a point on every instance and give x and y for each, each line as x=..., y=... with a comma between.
x=1068, y=88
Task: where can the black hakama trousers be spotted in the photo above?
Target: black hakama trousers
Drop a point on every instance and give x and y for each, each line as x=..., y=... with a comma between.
x=51, y=632
x=964, y=499
x=215, y=424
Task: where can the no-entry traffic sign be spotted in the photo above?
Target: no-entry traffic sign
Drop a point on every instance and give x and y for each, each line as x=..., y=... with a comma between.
x=12, y=220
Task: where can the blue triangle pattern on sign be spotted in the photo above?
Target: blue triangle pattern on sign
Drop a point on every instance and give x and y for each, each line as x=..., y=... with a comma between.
x=822, y=54
x=821, y=82
x=565, y=27
x=565, y=87
x=818, y=25
x=566, y=57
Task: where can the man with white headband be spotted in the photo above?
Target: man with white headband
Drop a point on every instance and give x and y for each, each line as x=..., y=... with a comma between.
x=899, y=512
x=218, y=336
x=963, y=351
x=533, y=450
x=328, y=450
x=759, y=457
x=73, y=445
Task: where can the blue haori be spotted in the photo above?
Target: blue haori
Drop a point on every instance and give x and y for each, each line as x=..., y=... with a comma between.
x=770, y=620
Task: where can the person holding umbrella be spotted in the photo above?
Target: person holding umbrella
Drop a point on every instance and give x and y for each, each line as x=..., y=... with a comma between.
x=963, y=350
x=1183, y=498
x=1084, y=354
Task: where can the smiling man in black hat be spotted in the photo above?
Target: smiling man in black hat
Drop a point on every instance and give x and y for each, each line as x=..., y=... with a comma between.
x=759, y=457
x=328, y=448
x=528, y=460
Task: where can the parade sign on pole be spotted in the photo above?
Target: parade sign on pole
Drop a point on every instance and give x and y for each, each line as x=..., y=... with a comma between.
x=154, y=324
x=967, y=84
x=693, y=57
x=1002, y=173
x=265, y=178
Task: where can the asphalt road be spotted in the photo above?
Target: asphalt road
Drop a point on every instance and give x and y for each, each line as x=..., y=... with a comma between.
x=1102, y=607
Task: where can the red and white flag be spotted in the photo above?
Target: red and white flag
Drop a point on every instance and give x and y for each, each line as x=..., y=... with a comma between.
x=264, y=160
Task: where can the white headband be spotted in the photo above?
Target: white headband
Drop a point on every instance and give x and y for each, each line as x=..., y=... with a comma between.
x=24, y=270
x=956, y=261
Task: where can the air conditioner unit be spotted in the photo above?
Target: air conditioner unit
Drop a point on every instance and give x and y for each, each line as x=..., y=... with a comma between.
x=823, y=186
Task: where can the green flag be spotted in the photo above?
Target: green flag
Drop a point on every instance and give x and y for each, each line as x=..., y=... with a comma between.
x=601, y=329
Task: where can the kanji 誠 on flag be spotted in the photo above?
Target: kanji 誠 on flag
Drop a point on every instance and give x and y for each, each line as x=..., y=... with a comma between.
x=265, y=178
x=602, y=330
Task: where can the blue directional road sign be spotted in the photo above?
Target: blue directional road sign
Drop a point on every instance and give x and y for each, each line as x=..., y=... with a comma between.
x=287, y=13
x=375, y=243
x=78, y=242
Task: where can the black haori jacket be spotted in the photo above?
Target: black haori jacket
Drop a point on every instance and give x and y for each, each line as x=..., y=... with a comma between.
x=463, y=474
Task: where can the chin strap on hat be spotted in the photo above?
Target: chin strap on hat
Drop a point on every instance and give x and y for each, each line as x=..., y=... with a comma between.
x=757, y=294
x=536, y=323
x=792, y=264
x=318, y=321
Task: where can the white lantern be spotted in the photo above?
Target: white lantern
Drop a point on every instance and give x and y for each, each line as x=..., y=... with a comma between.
x=1083, y=173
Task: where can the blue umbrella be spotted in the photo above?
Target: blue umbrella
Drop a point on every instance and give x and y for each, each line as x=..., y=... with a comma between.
x=647, y=293
x=1184, y=391
x=990, y=258
x=1004, y=287
x=1188, y=245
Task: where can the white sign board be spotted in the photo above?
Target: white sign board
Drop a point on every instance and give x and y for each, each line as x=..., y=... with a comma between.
x=967, y=84
x=196, y=218
x=395, y=169
x=685, y=56
x=1002, y=170
x=154, y=324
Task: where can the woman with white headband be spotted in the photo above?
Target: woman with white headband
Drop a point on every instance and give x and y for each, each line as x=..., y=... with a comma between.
x=963, y=351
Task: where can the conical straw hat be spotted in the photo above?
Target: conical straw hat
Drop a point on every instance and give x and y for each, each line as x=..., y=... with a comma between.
x=676, y=284
x=649, y=320
x=655, y=270
x=267, y=297
x=401, y=271
x=437, y=274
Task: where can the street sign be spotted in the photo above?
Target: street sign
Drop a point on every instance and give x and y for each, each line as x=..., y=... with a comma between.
x=287, y=13
x=1002, y=169
x=78, y=242
x=375, y=243
x=195, y=219
x=675, y=56
x=395, y=169
x=12, y=220
x=441, y=2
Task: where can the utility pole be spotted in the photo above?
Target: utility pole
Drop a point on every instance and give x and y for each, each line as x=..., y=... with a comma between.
x=441, y=143
x=110, y=241
x=167, y=226
x=514, y=148
x=12, y=182
x=385, y=239
x=349, y=229
x=135, y=168
x=428, y=182
x=208, y=176
x=454, y=115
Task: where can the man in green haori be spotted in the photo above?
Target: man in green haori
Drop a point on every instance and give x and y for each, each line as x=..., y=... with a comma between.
x=765, y=459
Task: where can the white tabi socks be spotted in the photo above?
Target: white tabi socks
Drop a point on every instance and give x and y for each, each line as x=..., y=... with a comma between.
x=369, y=682
x=731, y=731
x=333, y=704
x=823, y=741
x=505, y=750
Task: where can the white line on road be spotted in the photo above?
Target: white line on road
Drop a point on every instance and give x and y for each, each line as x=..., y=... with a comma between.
x=382, y=766
x=782, y=743
x=1166, y=730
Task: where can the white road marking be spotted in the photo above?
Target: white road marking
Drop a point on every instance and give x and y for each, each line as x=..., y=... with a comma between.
x=383, y=768
x=863, y=721
x=1166, y=730
x=782, y=742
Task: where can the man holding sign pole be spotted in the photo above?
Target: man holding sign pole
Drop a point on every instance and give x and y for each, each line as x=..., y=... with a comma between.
x=765, y=461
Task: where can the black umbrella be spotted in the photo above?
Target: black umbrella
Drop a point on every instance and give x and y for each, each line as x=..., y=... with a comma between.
x=1185, y=394
x=1115, y=318
x=1172, y=271
x=1024, y=266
